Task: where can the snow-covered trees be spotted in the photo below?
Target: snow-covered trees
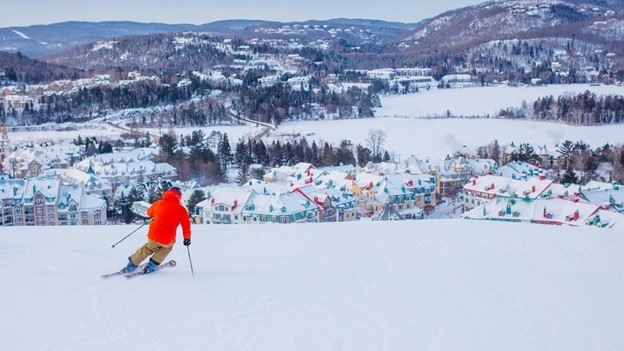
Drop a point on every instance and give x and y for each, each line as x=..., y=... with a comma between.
x=585, y=108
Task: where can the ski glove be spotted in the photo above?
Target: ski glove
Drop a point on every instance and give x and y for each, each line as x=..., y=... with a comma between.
x=187, y=242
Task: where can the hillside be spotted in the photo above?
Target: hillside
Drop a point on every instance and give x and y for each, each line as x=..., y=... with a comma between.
x=18, y=67
x=39, y=40
x=521, y=36
x=44, y=40
x=439, y=285
x=560, y=41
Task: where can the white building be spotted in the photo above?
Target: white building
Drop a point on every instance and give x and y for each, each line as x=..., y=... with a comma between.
x=127, y=167
x=224, y=205
x=46, y=201
x=480, y=190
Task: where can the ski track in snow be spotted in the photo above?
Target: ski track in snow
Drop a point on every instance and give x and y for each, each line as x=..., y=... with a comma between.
x=439, y=285
x=20, y=34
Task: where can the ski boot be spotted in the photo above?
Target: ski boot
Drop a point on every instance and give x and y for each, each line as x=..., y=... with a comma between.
x=130, y=267
x=151, y=267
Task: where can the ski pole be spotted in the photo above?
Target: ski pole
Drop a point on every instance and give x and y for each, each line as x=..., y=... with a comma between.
x=191, y=262
x=127, y=236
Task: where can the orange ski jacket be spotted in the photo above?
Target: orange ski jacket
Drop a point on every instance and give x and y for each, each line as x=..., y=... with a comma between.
x=168, y=213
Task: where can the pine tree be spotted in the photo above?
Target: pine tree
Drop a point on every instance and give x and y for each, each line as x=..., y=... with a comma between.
x=565, y=151
x=569, y=177
x=225, y=152
x=386, y=156
x=196, y=197
x=363, y=155
x=242, y=174
x=496, y=153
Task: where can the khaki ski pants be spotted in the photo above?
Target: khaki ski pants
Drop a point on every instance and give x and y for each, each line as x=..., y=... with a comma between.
x=152, y=248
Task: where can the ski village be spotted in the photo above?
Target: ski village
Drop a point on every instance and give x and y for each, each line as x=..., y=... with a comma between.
x=58, y=184
x=448, y=178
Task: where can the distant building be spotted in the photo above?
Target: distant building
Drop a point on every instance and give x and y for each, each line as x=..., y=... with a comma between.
x=127, y=167
x=46, y=201
x=457, y=80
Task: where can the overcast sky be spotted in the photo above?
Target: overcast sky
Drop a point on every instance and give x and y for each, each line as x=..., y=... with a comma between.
x=27, y=12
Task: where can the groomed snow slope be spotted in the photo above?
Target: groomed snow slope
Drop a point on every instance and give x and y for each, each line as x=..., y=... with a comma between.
x=421, y=285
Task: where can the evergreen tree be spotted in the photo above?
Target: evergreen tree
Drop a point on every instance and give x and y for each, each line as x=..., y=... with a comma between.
x=496, y=153
x=569, y=177
x=196, y=197
x=363, y=155
x=261, y=154
x=168, y=146
x=565, y=150
x=344, y=154
x=386, y=157
x=225, y=152
x=242, y=174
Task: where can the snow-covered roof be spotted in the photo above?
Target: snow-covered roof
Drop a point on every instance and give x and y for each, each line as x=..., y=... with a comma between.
x=507, y=187
x=47, y=187
x=232, y=196
x=11, y=188
x=544, y=211
x=283, y=204
x=519, y=170
x=612, y=198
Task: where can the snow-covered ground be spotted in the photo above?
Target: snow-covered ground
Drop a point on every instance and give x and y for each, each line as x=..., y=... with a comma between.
x=417, y=285
x=479, y=101
x=439, y=137
x=410, y=134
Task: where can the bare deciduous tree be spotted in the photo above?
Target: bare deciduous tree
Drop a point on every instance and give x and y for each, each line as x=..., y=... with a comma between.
x=375, y=141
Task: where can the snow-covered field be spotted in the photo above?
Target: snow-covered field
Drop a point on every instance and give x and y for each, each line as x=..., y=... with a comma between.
x=437, y=138
x=410, y=134
x=479, y=101
x=420, y=285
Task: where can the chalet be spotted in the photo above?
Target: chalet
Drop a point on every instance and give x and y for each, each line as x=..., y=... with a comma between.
x=46, y=201
x=606, y=195
x=480, y=190
x=546, y=211
x=224, y=205
x=289, y=207
x=334, y=205
x=519, y=170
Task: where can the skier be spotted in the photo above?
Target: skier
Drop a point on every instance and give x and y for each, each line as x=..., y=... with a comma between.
x=167, y=214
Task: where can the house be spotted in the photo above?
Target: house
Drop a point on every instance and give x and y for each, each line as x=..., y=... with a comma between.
x=224, y=205
x=92, y=184
x=606, y=195
x=334, y=205
x=519, y=170
x=32, y=161
x=127, y=167
x=482, y=189
x=546, y=211
x=47, y=201
x=289, y=207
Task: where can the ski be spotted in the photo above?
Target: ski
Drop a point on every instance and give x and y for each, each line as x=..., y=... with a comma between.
x=138, y=272
x=121, y=272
